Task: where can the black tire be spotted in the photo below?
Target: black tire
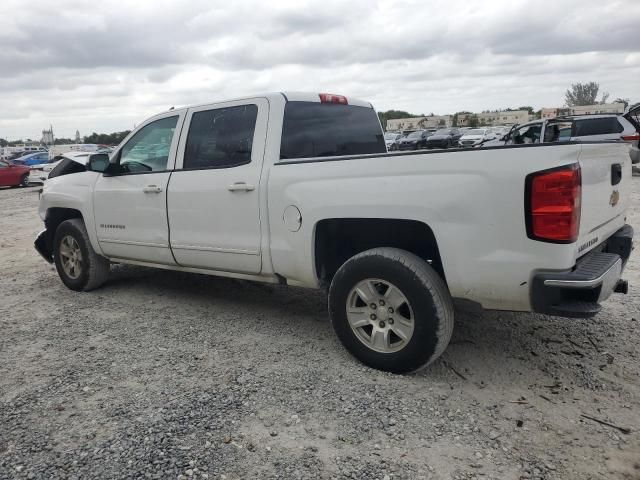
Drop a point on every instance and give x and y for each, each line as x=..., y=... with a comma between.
x=426, y=292
x=93, y=269
x=24, y=180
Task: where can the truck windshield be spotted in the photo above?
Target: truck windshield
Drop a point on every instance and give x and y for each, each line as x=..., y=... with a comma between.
x=312, y=129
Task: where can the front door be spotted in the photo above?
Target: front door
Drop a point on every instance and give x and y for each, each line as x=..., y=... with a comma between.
x=214, y=194
x=130, y=200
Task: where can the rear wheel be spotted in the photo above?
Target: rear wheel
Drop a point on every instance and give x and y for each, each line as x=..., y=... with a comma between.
x=78, y=265
x=391, y=310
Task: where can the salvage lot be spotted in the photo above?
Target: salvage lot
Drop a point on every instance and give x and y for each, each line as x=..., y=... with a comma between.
x=162, y=374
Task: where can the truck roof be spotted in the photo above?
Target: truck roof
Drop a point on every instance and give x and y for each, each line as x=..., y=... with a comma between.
x=279, y=96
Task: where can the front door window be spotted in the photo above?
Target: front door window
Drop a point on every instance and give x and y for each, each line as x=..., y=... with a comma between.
x=148, y=150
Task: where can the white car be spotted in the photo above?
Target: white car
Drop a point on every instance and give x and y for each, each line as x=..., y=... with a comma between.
x=475, y=136
x=391, y=140
x=578, y=128
x=299, y=189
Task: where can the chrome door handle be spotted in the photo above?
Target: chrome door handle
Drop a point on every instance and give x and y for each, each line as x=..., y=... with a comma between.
x=152, y=189
x=241, y=187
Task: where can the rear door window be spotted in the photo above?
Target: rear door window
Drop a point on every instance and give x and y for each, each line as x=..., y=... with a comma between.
x=221, y=138
x=597, y=126
x=312, y=129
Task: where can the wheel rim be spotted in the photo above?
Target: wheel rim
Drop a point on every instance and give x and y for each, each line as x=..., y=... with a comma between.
x=380, y=315
x=71, y=257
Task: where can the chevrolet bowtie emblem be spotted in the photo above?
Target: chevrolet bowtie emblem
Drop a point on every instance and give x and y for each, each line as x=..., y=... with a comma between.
x=615, y=198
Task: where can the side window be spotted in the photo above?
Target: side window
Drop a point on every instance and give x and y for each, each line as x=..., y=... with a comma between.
x=221, y=138
x=598, y=126
x=3, y=165
x=148, y=149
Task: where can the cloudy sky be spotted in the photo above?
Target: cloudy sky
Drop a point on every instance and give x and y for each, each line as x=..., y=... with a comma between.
x=105, y=65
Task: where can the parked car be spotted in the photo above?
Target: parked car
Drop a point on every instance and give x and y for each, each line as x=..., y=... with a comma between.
x=475, y=136
x=32, y=159
x=391, y=140
x=13, y=175
x=578, y=128
x=414, y=141
x=632, y=115
x=444, y=138
x=298, y=189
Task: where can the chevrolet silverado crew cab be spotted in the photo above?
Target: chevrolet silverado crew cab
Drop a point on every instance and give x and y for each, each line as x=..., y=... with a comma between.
x=299, y=189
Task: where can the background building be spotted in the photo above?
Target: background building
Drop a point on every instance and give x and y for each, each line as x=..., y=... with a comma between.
x=416, y=123
x=510, y=117
x=615, y=108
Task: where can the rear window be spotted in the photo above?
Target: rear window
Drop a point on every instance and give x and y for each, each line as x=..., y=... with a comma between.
x=597, y=126
x=327, y=130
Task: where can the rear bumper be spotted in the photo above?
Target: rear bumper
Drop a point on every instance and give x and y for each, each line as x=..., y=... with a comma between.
x=579, y=292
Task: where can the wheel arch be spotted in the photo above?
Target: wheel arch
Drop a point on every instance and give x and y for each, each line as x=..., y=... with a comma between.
x=338, y=239
x=54, y=216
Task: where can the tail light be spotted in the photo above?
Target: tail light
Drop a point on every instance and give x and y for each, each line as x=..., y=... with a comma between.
x=552, y=204
x=631, y=138
x=331, y=98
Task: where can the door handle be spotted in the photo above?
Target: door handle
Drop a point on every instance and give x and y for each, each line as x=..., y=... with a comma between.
x=152, y=189
x=616, y=173
x=241, y=187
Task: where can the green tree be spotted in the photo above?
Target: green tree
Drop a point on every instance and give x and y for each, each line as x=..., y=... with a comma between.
x=392, y=115
x=527, y=108
x=442, y=123
x=473, y=121
x=3, y=142
x=584, y=94
x=622, y=100
x=106, y=138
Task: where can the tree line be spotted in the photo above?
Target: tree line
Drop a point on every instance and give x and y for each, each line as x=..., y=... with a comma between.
x=98, y=138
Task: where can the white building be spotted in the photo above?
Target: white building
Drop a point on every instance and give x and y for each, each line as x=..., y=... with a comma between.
x=510, y=117
x=606, y=108
x=416, y=123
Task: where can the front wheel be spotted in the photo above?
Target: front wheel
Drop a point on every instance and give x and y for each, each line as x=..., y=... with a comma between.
x=78, y=265
x=24, y=180
x=391, y=310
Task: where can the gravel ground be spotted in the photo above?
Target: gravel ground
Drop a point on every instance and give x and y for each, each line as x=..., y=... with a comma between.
x=167, y=375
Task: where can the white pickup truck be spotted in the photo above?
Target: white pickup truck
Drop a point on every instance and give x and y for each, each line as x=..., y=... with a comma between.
x=299, y=189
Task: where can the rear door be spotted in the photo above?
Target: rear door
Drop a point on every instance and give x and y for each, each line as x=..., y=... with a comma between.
x=606, y=188
x=213, y=199
x=633, y=117
x=7, y=174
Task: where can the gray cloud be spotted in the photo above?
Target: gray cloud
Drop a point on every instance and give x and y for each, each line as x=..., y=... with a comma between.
x=110, y=65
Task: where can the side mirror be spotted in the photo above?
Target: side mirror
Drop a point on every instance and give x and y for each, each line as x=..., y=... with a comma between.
x=98, y=162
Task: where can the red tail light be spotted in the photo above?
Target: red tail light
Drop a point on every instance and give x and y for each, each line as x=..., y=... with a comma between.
x=552, y=204
x=631, y=138
x=331, y=98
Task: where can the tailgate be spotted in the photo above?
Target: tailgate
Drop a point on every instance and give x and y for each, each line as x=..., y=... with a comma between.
x=606, y=187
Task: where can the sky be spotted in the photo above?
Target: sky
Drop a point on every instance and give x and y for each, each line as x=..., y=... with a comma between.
x=104, y=66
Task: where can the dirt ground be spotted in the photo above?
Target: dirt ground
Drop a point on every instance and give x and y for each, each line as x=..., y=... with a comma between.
x=168, y=375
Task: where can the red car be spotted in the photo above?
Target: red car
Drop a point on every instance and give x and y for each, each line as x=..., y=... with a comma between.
x=13, y=175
